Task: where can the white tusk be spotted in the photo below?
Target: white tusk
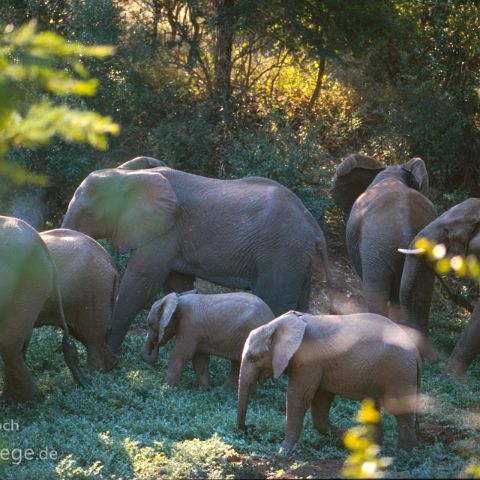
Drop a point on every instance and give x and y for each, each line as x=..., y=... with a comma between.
x=416, y=251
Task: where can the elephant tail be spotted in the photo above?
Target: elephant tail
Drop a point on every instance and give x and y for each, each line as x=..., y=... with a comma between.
x=69, y=350
x=322, y=250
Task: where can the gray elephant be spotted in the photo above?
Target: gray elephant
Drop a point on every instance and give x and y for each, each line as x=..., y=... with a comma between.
x=251, y=233
x=140, y=163
x=27, y=279
x=89, y=284
x=355, y=356
x=459, y=230
x=386, y=207
x=203, y=325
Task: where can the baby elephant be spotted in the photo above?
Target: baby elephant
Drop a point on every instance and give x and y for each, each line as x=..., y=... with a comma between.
x=355, y=356
x=204, y=325
x=88, y=284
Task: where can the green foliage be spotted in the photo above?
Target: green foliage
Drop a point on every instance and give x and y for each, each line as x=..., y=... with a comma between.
x=29, y=63
x=129, y=424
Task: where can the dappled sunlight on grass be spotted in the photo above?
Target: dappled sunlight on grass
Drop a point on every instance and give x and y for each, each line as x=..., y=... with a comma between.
x=129, y=424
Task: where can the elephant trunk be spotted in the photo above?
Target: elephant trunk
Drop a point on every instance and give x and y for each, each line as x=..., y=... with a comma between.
x=468, y=347
x=248, y=377
x=150, y=349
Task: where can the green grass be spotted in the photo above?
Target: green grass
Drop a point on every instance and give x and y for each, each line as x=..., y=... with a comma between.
x=128, y=424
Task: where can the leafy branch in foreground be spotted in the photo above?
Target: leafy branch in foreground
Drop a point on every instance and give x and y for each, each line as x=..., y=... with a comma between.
x=33, y=63
x=364, y=462
x=468, y=267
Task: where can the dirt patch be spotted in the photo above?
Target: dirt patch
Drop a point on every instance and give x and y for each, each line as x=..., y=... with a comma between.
x=346, y=294
x=328, y=468
x=443, y=432
x=281, y=467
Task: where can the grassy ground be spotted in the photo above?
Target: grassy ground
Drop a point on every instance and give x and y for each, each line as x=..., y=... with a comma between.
x=129, y=424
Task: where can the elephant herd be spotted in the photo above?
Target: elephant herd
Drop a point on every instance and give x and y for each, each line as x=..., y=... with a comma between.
x=251, y=233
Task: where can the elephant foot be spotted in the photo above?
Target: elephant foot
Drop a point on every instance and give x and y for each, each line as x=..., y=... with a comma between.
x=407, y=445
x=103, y=360
x=13, y=396
x=288, y=445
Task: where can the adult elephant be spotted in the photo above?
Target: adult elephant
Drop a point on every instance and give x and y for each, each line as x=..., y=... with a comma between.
x=459, y=230
x=249, y=233
x=386, y=206
x=27, y=278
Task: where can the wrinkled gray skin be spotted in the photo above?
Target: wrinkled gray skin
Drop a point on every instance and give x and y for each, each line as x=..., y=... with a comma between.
x=89, y=283
x=386, y=207
x=251, y=233
x=459, y=230
x=27, y=279
x=355, y=356
x=203, y=325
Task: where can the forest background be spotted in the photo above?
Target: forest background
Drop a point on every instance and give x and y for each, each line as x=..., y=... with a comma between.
x=282, y=89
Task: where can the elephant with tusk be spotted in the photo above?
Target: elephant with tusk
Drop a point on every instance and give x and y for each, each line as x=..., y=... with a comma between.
x=459, y=230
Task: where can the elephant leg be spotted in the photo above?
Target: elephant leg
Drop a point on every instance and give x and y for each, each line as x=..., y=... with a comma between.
x=321, y=403
x=178, y=282
x=406, y=431
x=200, y=366
x=25, y=346
x=180, y=355
x=376, y=282
x=304, y=300
x=146, y=272
x=282, y=291
x=231, y=381
x=18, y=381
x=300, y=393
x=89, y=329
x=467, y=347
x=378, y=435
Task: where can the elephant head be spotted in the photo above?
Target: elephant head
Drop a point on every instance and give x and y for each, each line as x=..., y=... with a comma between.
x=357, y=172
x=160, y=326
x=130, y=207
x=140, y=163
x=459, y=230
x=352, y=177
x=266, y=353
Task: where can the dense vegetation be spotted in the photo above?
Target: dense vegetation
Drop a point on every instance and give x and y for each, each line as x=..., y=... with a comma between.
x=230, y=88
x=282, y=89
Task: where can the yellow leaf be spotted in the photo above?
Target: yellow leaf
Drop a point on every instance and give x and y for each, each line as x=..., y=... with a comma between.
x=443, y=266
x=423, y=243
x=368, y=413
x=459, y=265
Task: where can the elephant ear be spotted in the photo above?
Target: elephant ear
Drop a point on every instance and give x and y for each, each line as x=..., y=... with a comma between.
x=419, y=180
x=149, y=208
x=163, y=311
x=139, y=163
x=286, y=339
x=352, y=177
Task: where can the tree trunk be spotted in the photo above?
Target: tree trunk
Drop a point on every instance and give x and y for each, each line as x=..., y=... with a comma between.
x=223, y=56
x=318, y=84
